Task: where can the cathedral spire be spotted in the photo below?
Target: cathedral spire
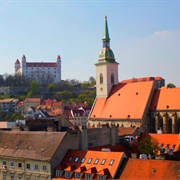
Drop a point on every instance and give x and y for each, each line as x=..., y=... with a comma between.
x=106, y=31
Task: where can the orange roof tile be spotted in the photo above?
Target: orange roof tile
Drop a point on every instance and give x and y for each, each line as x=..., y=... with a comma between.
x=151, y=169
x=95, y=165
x=166, y=99
x=32, y=100
x=126, y=101
x=124, y=131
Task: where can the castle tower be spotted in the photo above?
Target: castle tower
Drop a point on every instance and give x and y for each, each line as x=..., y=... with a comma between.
x=106, y=67
x=59, y=68
x=17, y=65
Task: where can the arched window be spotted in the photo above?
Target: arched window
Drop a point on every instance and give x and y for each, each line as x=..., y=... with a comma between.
x=112, y=78
x=101, y=78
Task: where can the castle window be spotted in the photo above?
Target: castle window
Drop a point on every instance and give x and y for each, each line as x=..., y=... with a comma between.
x=101, y=78
x=112, y=78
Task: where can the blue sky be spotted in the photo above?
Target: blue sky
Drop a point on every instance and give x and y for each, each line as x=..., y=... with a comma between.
x=145, y=36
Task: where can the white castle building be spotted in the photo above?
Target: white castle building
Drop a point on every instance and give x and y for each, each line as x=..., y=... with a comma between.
x=42, y=72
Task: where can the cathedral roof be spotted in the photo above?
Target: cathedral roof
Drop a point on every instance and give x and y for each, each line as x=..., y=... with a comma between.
x=166, y=99
x=125, y=101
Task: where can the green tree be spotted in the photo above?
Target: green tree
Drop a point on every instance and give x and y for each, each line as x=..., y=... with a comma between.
x=34, y=88
x=51, y=87
x=148, y=146
x=170, y=85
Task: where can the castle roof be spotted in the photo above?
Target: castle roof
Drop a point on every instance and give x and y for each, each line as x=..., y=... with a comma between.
x=17, y=61
x=41, y=64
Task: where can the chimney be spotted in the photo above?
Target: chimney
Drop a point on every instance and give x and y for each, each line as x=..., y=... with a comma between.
x=83, y=138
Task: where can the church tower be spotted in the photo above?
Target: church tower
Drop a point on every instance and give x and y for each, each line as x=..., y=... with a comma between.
x=106, y=67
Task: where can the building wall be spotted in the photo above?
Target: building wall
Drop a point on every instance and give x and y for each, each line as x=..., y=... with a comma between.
x=12, y=169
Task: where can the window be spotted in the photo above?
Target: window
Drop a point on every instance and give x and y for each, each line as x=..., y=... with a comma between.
x=96, y=161
x=111, y=162
x=36, y=167
x=70, y=159
x=101, y=78
x=67, y=174
x=12, y=177
x=112, y=78
x=76, y=160
x=83, y=159
x=19, y=165
x=58, y=173
x=44, y=168
x=103, y=161
x=12, y=164
x=28, y=166
x=4, y=162
x=88, y=176
x=89, y=160
x=101, y=177
x=4, y=176
x=77, y=175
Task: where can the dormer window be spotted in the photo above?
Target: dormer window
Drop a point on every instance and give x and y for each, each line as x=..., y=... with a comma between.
x=67, y=174
x=76, y=160
x=100, y=177
x=103, y=161
x=96, y=161
x=89, y=160
x=111, y=162
x=83, y=159
x=78, y=175
x=88, y=176
x=59, y=173
x=70, y=159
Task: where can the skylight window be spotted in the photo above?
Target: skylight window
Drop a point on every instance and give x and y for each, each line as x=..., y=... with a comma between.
x=83, y=159
x=96, y=161
x=70, y=159
x=89, y=160
x=111, y=162
x=76, y=160
x=103, y=161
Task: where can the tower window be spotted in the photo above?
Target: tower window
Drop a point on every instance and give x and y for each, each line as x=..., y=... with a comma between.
x=112, y=78
x=101, y=78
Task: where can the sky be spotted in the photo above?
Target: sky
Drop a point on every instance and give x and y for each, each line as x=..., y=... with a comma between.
x=145, y=36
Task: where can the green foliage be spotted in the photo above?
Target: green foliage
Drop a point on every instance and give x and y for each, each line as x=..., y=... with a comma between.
x=148, y=146
x=10, y=116
x=51, y=87
x=34, y=88
x=171, y=85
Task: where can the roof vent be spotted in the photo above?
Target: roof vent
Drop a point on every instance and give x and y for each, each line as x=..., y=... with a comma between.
x=5, y=147
x=94, y=115
x=128, y=116
x=30, y=148
x=42, y=149
x=137, y=93
x=119, y=94
x=16, y=147
x=106, y=150
x=153, y=170
x=110, y=115
x=167, y=106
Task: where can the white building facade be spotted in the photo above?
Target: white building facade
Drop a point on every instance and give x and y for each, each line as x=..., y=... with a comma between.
x=42, y=72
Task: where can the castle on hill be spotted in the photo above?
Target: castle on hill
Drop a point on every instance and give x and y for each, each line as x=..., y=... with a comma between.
x=40, y=71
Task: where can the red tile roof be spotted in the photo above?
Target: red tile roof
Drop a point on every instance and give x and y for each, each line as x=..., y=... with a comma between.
x=166, y=99
x=41, y=64
x=151, y=169
x=125, y=131
x=126, y=101
x=76, y=157
x=32, y=100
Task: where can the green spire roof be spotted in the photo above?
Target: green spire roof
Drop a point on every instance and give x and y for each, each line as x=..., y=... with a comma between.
x=106, y=32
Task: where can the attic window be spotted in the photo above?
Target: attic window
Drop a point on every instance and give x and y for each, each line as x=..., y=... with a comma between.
x=83, y=159
x=96, y=161
x=111, y=162
x=70, y=159
x=76, y=160
x=103, y=162
x=89, y=160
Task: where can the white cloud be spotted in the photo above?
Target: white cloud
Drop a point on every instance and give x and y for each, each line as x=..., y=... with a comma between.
x=162, y=34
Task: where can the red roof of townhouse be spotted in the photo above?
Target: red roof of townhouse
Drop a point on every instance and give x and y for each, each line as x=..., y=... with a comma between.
x=151, y=169
x=126, y=101
x=166, y=99
x=32, y=100
x=126, y=131
x=57, y=104
x=91, y=162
